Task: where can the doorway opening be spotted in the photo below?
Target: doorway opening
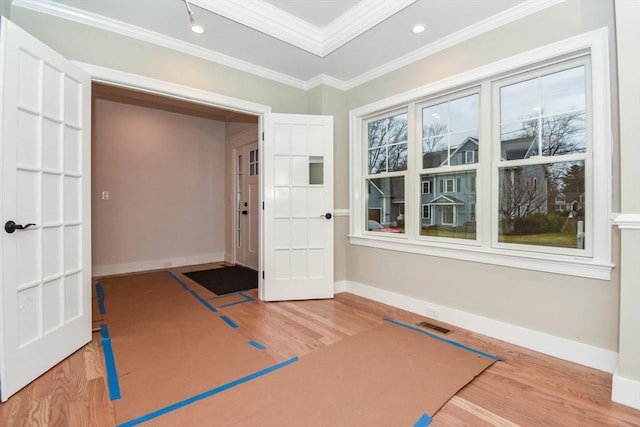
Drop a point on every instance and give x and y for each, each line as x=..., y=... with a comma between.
x=169, y=207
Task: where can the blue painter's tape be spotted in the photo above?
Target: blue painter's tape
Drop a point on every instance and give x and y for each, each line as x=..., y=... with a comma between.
x=99, y=290
x=439, y=338
x=100, y=294
x=112, y=373
x=246, y=297
x=206, y=394
x=257, y=345
x=192, y=292
x=423, y=421
x=229, y=322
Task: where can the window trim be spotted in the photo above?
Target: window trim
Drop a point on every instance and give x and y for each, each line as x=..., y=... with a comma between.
x=599, y=264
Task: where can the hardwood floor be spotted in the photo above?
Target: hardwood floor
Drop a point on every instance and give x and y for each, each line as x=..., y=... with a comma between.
x=526, y=389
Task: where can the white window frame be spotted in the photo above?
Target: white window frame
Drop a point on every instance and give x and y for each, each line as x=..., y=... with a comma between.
x=428, y=216
x=429, y=189
x=596, y=264
x=469, y=157
x=445, y=185
x=364, y=155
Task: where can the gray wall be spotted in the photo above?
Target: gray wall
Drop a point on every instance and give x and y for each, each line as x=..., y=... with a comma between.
x=99, y=47
x=583, y=310
x=165, y=175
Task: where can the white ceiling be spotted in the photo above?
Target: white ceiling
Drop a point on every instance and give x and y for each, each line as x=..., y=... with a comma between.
x=299, y=42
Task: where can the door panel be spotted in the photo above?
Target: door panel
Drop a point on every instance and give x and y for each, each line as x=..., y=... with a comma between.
x=46, y=277
x=247, y=213
x=298, y=183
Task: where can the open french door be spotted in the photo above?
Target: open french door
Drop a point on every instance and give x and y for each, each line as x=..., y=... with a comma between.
x=45, y=279
x=297, y=220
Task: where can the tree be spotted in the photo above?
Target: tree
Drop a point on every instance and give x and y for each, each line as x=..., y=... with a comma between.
x=387, y=142
x=561, y=134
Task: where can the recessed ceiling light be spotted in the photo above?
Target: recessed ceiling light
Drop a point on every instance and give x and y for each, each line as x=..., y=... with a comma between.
x=417, y=29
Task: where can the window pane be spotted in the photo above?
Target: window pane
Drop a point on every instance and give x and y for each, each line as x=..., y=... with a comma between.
x=544, y=115
x=563, y=92
x=543, y=204
x=385, y=205
x=448, y=130
x=387, y=144
x=564, y=134
x=450, y=205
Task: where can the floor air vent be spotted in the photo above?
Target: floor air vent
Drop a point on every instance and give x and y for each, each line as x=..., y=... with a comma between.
x=435, y=327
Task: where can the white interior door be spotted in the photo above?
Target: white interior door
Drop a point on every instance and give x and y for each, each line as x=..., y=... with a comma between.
x=298, y=196
x=46, y=278
x=247, y=212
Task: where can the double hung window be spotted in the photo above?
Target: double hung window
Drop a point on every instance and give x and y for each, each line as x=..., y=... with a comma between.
x=503, y=167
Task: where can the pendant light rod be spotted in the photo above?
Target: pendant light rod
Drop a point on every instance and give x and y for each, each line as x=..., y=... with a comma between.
x=195, y=27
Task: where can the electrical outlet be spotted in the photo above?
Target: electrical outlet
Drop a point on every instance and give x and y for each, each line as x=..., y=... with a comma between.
x=106, y=195
x=432, y=312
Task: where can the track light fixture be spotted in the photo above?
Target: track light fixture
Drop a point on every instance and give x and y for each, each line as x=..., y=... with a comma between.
x=195, y=27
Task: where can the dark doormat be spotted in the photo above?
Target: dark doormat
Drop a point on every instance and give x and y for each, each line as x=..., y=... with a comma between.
x=226, y=280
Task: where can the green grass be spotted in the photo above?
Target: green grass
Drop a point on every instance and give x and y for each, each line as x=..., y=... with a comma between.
x=564, y=240
x=448, y=233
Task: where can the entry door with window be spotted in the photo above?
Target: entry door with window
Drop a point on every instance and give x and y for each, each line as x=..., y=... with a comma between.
x=247, y=199
x=45, y=247
x=298, y=213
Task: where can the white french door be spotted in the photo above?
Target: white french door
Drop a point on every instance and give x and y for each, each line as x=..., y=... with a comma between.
x=247, y=205
x=297, y=221
x=45, y=285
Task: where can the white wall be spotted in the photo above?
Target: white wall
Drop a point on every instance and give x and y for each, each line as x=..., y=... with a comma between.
x=165, y=175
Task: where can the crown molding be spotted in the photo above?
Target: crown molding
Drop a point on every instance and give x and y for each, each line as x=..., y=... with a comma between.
x=324, y=79
x=98, y=21
x=77, y=15
x=273, y=21
x=481, y=27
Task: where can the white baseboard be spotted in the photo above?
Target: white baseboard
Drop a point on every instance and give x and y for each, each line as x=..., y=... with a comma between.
x=583, y=354
x=340, y=286
x=625, y=391
x=134, y=267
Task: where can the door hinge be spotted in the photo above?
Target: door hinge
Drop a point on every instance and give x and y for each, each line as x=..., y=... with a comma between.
x=262, y=136
x=262, y=205
x=262, y=274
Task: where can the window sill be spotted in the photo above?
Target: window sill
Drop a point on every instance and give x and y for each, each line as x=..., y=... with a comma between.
x=567, y=265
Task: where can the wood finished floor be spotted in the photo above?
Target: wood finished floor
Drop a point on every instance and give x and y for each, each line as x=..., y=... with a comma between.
x=526, y=389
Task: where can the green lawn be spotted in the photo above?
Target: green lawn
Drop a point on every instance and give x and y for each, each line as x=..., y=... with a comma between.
x=565, y=240
x=434, y=232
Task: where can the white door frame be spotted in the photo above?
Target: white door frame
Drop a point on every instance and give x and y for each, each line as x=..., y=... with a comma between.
x=173, y=90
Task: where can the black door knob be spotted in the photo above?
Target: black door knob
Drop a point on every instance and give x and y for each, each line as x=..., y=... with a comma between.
x=327, y=215
x=11, y=226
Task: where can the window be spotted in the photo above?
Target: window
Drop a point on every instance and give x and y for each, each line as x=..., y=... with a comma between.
x=386, y=170
x=426, y=212
x=253, y=162
x=469, y=156
x=449, y=139
x=543, y=149
x=426, y=187
x=500, y=165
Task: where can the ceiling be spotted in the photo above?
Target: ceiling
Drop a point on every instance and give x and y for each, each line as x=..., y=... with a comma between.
x=166, y=103
x=302, y=43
